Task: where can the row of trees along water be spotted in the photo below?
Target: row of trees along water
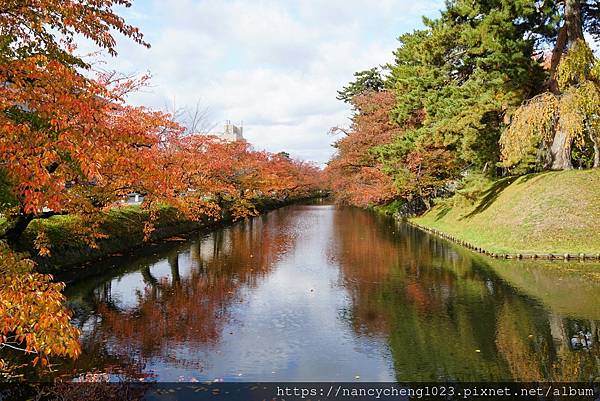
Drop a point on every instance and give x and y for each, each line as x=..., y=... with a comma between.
x=71, y=145
x=489, y=87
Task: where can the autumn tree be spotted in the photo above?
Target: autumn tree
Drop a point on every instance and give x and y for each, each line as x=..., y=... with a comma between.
x=420, y=173
x=554, y=130
x=355, y=173
x=71, y=145
x=215, y=174
x=453, y=82
x=48, y=107
x=487, y=84
x=58, y=132
x=33, y=319
x=48, y=28
x=464, y=71
x=292, y=178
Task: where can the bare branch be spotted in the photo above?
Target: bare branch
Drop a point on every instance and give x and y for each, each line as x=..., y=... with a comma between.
x=195, y=120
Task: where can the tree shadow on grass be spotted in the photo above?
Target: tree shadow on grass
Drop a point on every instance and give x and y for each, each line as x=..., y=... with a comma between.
x=491, y=195
x=443, y=212
x=528, y=177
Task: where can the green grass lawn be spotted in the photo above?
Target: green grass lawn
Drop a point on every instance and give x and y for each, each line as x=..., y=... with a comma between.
x=551, y=212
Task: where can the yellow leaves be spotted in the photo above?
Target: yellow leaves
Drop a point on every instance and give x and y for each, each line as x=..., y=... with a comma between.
x=588, y=98
x=574, y=112
x=576, y=65
x=532, y=124
x=572, y=116
x=41, y=243
x=595, y=72
x=579, y=111
x=42, y=360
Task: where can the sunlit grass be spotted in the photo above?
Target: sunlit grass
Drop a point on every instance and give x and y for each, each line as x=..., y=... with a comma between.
x=551, y=212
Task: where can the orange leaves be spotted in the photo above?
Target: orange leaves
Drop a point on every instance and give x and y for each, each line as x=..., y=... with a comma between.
x=32, y=316
x=208, y=174
x=427, y=170
x=43, y=361
x=355, y=173
x=69, y=145
x=33, y=25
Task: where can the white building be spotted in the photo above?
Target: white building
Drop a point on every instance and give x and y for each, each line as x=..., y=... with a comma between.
x=230, y=133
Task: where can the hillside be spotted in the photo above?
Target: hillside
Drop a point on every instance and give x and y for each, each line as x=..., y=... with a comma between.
x=550, y=212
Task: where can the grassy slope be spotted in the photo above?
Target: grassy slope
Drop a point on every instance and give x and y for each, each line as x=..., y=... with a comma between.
x=551, y=212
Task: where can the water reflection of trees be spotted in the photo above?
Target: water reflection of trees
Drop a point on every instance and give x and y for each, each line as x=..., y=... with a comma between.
x=447, y=315
x=190, y=305
x=567, y=296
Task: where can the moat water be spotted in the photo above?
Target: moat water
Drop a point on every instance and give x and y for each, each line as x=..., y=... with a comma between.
x=325, y=293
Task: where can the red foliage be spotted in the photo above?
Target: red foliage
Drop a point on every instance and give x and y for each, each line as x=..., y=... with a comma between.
x=208, y=173
x=355, y=175
x=71, y=145
x=427, y=170
x=29, y=22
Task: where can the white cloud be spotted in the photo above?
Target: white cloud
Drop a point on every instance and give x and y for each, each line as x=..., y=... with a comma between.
x=275, y=65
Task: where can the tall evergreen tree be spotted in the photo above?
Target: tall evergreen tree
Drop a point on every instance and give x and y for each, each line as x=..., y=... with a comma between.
x=366, y=81
x=466, y=70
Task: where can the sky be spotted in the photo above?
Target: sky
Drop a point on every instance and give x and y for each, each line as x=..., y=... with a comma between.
x=275, y=65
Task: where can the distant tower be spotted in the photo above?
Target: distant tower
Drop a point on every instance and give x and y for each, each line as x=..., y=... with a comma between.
x=232, y=132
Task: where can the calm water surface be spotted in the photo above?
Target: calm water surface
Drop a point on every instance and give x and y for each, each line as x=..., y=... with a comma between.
x=317, y=292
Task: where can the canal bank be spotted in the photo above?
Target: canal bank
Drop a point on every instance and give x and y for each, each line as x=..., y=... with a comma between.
x=123, y=231
x=550, y=215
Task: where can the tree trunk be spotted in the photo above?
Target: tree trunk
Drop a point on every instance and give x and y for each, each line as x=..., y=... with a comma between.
x=148, y=277
x=596, y=149
x=17, y=224
x=17, y=227
x=561, y=44
x=560, y=151
x=570, y=31
x=573, y=21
